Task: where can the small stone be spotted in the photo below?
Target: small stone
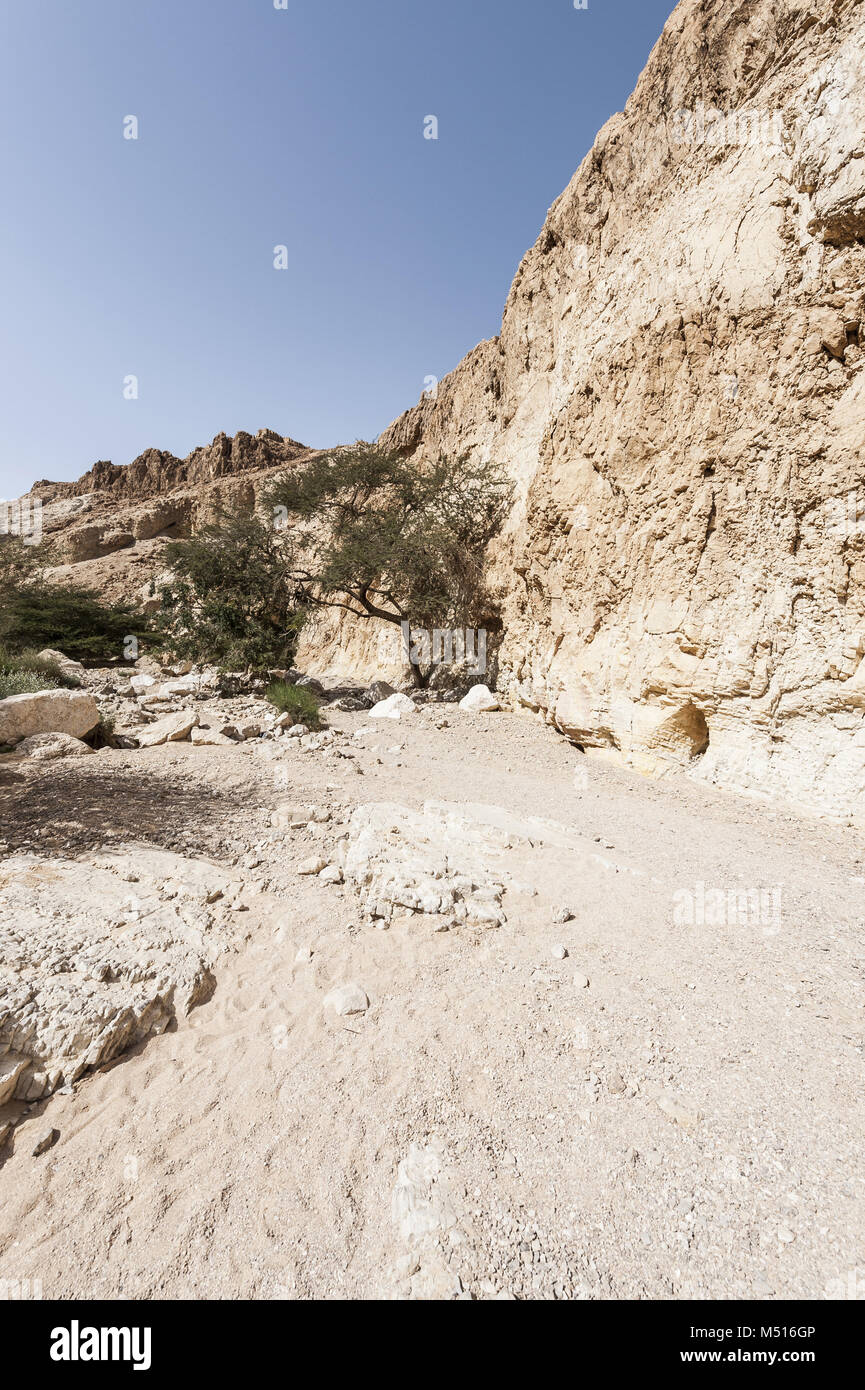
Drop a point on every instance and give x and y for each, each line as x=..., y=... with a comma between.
x=562, y=915
x=332, y=874
x=681, y=1111
x=560, y=953
x=304, y=956
x=480, y=700
x=785, y=1235
x=347, y=999
x=47, y=1139
x=309, y=867
x=581, y=982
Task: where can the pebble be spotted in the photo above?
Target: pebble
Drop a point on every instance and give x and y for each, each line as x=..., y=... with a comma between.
x=560, y=953
x=581, y=982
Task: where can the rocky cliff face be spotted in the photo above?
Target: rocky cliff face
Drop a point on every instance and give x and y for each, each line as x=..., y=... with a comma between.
x=109, y=529
x=679, y=391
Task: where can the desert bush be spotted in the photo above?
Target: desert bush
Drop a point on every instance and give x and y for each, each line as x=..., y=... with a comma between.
x=25, y=673
x=297, y=701
x=230, y=602
x=35, y=614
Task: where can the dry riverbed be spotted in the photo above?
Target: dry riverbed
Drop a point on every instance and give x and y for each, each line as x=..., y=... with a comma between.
x=622, y=1059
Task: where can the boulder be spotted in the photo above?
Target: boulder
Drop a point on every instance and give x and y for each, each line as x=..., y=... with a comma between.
x=480, y=700
x=211, y=738
x=142, y=683
x=71, y=669
x=394, y=707
x=45, y=747
x=94, y=958
x=380, y=690
x=311, y=684
x=174, y=728
x=47, y=712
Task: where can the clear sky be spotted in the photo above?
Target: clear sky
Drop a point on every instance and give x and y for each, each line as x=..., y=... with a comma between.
x=260, y=127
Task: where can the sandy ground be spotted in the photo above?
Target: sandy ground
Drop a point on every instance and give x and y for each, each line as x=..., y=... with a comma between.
x=687, y=1124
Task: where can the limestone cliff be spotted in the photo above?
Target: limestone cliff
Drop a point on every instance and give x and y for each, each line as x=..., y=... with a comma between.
x=679, y=390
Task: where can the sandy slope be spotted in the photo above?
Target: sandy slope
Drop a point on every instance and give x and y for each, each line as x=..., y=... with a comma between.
x=491, y=1125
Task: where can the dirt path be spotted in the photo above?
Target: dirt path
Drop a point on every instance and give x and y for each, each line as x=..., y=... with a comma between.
x=686, y=1124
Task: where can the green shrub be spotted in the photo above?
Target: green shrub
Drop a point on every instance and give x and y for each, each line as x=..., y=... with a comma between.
x=73, y=620
x=25, y=673
x=297, y=701
x=230, y=602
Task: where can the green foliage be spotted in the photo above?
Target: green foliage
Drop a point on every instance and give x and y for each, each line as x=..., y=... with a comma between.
x=73, y=620
x=25, y=672
x=231, y=602
x=297, y=701
x=390, y=539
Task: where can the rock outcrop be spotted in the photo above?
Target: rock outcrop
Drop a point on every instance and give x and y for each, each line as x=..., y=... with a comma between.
x=97, y=955
x=679, y=391
x=110, y=528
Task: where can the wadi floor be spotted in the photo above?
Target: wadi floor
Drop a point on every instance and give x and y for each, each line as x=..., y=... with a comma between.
x=686, y=1124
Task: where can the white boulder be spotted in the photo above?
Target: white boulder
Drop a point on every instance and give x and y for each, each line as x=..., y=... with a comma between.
x=480, y=700
x=173, y=728
x=394, y=707
x=47, y=712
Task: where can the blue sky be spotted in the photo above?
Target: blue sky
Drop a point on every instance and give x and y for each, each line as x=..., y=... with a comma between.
x=260, y=127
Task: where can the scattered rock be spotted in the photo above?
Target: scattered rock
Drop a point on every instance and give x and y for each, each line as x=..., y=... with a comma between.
x=47, y=1139
x=173, y=728
x=347, y=999
x=312, y=866
x=394, y=707
x=682, y=1112
x=480, y=700
x=210, y=738
x=380, y=691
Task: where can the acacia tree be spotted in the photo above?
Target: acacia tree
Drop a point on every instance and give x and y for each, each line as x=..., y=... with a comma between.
x=231, y=599
x=389, y=539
